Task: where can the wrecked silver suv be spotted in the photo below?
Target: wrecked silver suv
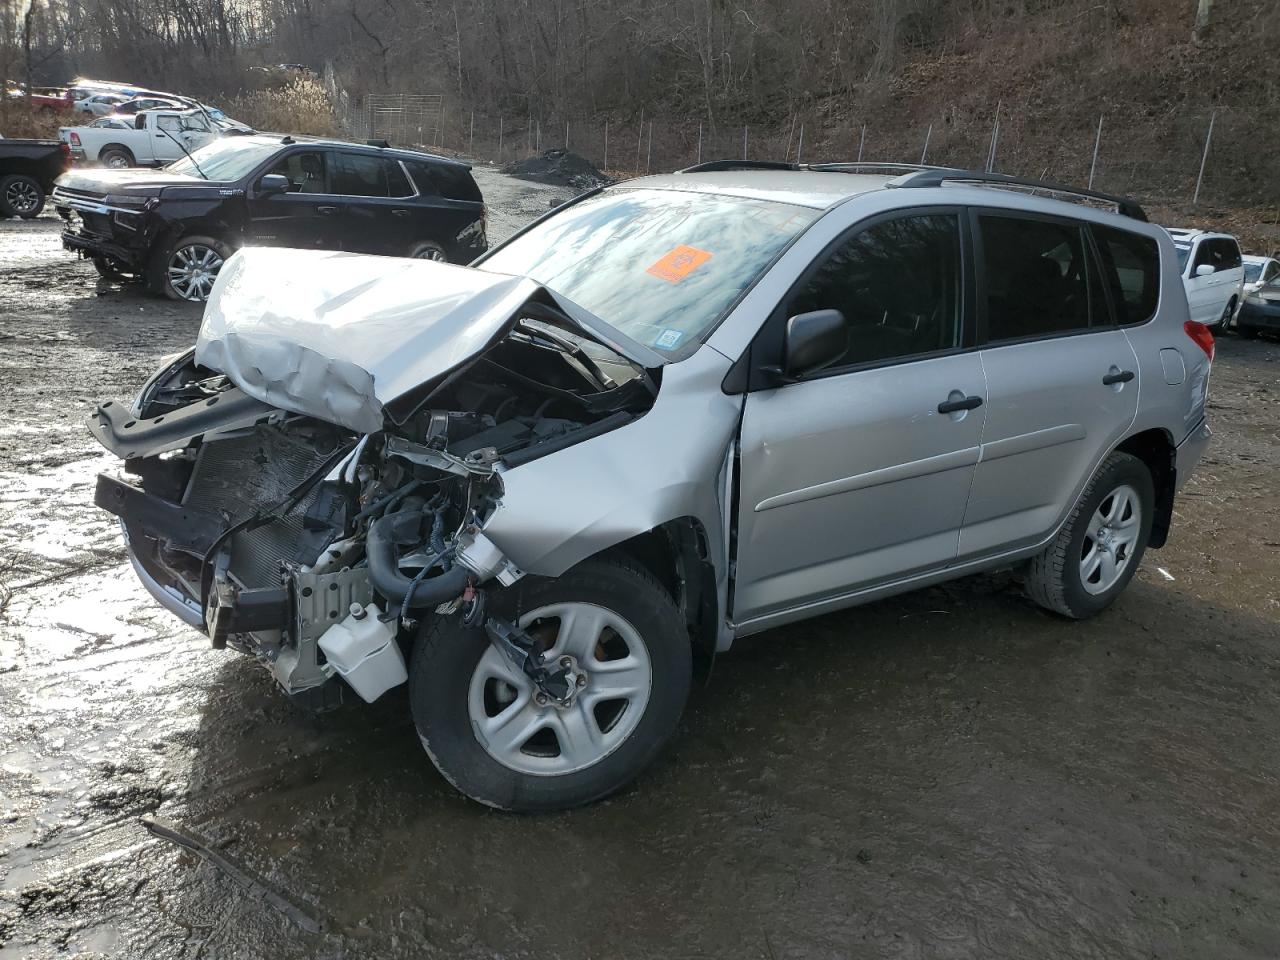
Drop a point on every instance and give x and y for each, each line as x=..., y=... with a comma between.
x=811, y=387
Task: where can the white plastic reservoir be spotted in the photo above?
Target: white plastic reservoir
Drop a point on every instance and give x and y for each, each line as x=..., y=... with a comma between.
x=364, y=651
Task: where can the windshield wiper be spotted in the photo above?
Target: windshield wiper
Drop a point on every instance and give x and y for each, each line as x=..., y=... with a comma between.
x=186, y=151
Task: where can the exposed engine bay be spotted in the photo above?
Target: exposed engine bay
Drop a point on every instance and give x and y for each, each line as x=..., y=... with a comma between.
x=313, y=547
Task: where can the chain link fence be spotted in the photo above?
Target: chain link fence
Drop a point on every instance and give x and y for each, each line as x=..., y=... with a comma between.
x=1179, y=159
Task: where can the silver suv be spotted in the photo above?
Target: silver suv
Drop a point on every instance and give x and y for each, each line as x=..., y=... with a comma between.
x=677, y=411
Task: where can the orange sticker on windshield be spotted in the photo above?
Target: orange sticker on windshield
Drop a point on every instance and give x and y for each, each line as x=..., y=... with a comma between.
x=679, y=263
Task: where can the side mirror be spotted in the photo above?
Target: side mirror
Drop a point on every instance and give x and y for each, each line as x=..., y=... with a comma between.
x=813, y=341
x=1204, y=270
x=273, y=183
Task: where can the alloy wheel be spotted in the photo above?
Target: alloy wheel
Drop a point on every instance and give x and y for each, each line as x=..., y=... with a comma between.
x=430, y=253
x=611, y=682
x=1111, y=539
x=22, y=196
x=192, y=270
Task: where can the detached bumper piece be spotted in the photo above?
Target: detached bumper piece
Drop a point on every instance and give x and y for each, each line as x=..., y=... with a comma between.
x=115, y=427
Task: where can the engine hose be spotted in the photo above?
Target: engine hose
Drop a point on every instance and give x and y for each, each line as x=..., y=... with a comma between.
x=437, y=536
x=384, y=572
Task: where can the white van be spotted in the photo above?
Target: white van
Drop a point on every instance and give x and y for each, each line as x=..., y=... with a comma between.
x=1212, y=273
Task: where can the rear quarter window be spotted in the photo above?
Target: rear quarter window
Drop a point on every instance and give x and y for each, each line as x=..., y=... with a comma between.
x=1131, y=268
x=452, y=182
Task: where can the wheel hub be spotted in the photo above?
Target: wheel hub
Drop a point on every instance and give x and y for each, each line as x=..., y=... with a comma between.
x=561, y=689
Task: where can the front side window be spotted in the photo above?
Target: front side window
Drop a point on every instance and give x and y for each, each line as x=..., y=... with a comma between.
x=305, y=171
x=662, y=266
x=1037, y=277
x=897, y=284
x=1131, y=266
x=1272, y=271
x=360, y=175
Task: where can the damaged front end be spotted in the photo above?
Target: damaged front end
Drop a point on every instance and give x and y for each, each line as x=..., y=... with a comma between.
x=295, y=507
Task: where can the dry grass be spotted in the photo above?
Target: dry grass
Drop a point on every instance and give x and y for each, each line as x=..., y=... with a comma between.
x=299, y=106
x=18, y=122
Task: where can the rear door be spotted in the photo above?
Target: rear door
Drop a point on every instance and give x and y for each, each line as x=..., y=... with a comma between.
x=1062, y=379
x=374, y=221
x=308, y=216
x=854, y=476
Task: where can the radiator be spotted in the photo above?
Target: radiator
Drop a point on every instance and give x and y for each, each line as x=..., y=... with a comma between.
x=233, y=478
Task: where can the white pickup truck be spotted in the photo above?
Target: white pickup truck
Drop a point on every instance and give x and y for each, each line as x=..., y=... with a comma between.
x=158, y=137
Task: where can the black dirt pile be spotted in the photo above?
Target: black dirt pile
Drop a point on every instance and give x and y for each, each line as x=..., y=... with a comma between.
x=559, y=168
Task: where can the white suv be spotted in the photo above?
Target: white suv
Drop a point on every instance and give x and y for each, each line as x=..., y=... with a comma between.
x=1212, y=273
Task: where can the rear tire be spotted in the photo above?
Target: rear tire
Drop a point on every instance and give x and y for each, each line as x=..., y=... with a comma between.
x=545, y=757
x=21, y=196
x=1098, y=549
x=428, y=250
x=117, y=157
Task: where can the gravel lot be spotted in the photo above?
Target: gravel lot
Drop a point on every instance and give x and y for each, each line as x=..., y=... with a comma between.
x=949, y=774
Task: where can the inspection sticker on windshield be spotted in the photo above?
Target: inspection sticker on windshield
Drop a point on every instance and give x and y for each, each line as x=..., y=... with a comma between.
x=679, y=263
x=668, y=339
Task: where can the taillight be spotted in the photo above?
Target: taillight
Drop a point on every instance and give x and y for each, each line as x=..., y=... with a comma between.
x=1202, y=336
x=75, y=138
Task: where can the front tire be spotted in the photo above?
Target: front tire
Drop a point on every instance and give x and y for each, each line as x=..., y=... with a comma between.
x=186, y=268
x=1098, y=549
x=21, y=196
x=1228, y=312
x=110, y=269
x=479, y=718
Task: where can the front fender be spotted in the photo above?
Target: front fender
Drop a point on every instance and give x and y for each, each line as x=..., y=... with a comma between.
x=669, y=464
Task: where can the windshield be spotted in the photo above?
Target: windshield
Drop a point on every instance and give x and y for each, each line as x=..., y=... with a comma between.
x=224, y=160
x=1252, y=271
x=662, y=266
x=1184, y=251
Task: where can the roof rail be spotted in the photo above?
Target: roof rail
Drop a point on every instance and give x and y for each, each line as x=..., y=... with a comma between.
x=935, y=177
x=712, y=166
x=871, y=167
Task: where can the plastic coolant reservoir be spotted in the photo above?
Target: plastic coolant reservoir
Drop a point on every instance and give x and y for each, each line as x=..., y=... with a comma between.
x=364, y=651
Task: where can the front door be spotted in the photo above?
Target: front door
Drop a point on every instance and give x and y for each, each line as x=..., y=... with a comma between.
x=176, y=136
x=1062, y=380
x=856, y=476
x=307, y=216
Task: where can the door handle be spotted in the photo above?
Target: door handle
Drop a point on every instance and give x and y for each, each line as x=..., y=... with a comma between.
x=965, y=403
x=1119, y=376
x=400, y=213
x=326, y=211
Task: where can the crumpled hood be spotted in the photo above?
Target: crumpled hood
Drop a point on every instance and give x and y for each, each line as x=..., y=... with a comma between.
x=338, y=336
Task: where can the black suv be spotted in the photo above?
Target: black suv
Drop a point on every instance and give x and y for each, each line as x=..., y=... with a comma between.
x=174, y=227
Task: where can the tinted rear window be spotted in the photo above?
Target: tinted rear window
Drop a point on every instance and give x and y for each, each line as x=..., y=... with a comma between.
x=447, y=181
x=1131, y=264
x=1037, y=277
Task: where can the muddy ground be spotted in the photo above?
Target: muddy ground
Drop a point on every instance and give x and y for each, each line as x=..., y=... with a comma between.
x=949, y=774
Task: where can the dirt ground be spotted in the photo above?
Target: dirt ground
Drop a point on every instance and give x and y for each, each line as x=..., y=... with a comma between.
x=949, y=774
